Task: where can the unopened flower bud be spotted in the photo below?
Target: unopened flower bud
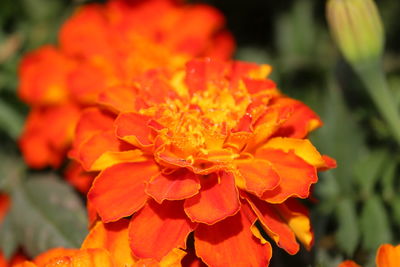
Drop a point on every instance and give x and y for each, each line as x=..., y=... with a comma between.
x=357, y=29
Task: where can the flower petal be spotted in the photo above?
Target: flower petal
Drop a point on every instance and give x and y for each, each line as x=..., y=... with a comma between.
x=46, y=138
x=122, y=99
x=46, y=257
x=388, y=256
x=176, y=186
x=43, y=76
x=349, y=263
x=297, y=176
x=133, y=128
x=114, y=238
x=258, y=175
x=302, y=120
x=274, y=225
x=301, y=147
x=91, y=122
x=298, y=219
x=104, y=150
x=159, y=228
x=78, y=177
x=119, y=190
x=231, y=243
x=218, y=199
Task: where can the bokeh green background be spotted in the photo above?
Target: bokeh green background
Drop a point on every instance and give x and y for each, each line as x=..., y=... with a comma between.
x=356, y=207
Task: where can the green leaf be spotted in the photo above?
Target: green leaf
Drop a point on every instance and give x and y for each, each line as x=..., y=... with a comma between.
x=395, y=207
x=374, y=224
x=8, y=237
x=369, y=169
x=12, y=169
x=348, y=234
x=388, y=180
x=341, y=137
x=48, y=214
x=10, y=120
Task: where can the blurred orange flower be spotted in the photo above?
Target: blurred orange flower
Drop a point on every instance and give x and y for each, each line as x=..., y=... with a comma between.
x=209, y=149
x=102, y=46
x=386, y=256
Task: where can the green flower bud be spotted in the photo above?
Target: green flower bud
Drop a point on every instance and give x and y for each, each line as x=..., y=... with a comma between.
x=357, y=29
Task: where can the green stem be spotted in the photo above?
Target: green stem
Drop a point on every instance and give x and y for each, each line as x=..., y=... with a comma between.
x=375, y=81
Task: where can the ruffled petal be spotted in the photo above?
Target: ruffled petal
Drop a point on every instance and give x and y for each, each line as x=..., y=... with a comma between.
x=133, y=128
x=302, y=120
x=119, y=190
x=46, y=257
x=104, y=149
x=298, y=219
x=159, y=228
x=121, y=99
x=176, y=186
x=301, y=147
x=114, y=238
x=296, y=175
x=388, y=256
x=218, y=199
x=274, y=225
x=91, y=122
x=78, y=177
x=231, y=243
x=257, y=175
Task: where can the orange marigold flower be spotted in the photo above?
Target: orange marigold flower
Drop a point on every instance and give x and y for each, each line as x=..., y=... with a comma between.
x=386, y=256
x=210, y=149
x=102, y=46
x=106, y=245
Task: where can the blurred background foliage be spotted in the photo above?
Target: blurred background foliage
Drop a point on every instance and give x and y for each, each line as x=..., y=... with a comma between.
x=357, y=205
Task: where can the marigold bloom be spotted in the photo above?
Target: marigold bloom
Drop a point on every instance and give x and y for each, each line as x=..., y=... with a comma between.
x=386, y=256
x=210, y=149
x=106, y=245
x=102, y=46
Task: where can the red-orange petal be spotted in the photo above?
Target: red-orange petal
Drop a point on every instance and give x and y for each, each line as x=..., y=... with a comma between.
x=46, y=137
x=302, y=121
x=231, y=243
x=91, y=122
x=46, y=257
x=78, y=177
x=388, y=256
x=74, y=37
x=98, y=145
x=217, y=199
x=296, y=175
x=179, y=185
x=121, y=99
x=348, y=263
x=297, y=218
x=43, y=76
x=119, y=190
x=258, y=175
x=114, y=238
x=159, y=228
x=275, y=226
x=201, y=72
x=133, y=128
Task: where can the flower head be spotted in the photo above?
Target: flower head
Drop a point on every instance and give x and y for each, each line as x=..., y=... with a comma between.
x=102, y=46
x=357, y=28
x=105, y=246
x=209, y=149
x=386, y=256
